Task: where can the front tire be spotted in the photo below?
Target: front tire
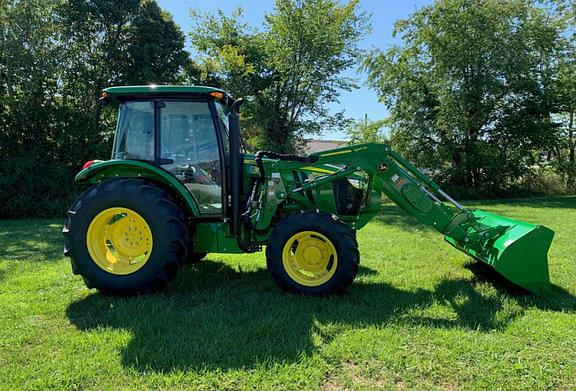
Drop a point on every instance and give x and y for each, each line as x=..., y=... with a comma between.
x=312, y=252
x=126, y=236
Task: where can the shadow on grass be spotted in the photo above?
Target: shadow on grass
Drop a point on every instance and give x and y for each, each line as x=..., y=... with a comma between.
x=31, y=240
x=560, y=300
x=216, y=317
x=391, y=214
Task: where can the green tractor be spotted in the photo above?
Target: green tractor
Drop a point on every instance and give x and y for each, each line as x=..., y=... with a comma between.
x=180, y=185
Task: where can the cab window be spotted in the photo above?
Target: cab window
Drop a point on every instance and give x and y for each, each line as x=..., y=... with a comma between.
x=135, y=132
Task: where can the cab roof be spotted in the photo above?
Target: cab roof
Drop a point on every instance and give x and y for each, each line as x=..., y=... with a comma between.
x=124, y=93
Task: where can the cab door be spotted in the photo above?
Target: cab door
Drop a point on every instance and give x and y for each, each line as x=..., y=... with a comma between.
x=189, y=150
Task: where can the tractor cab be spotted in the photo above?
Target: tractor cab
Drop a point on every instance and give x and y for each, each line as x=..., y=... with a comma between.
x=182, y=130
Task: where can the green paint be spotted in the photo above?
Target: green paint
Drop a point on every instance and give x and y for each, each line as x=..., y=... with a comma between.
x=519, y=254
x=102, y=170
x=214, y=238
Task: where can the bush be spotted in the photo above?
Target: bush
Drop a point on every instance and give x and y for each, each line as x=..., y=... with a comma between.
x=543, y=181
x=34, y=187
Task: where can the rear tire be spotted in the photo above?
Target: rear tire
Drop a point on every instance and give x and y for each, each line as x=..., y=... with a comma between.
x=126, y=236
x=312, y=252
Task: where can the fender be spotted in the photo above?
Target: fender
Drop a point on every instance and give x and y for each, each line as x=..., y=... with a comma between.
x=101, y=170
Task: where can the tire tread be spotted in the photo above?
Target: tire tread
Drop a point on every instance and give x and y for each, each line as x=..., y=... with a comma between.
x=171, y=217
x=331, y=226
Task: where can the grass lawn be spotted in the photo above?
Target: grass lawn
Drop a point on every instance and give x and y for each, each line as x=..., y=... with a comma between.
x=420, y=315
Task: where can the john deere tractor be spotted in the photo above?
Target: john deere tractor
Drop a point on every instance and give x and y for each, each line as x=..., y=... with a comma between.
x=180, y=185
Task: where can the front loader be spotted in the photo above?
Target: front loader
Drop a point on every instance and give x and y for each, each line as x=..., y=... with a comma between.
x=179, y=185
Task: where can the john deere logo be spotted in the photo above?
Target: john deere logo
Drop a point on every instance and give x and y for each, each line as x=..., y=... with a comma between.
x=383, y=167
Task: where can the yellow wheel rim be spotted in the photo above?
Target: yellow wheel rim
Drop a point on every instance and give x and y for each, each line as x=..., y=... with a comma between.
x=119, y=241
x=309, y=258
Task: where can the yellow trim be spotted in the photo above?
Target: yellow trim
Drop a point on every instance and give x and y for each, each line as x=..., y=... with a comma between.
x=337, y=153
x=309, y=258
x=119, y=241
x=317, y=169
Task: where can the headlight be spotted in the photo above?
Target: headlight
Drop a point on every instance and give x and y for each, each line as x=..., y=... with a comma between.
x=356, y=183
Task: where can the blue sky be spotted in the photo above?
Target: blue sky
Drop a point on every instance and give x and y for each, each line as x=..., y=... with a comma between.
x=384, y=13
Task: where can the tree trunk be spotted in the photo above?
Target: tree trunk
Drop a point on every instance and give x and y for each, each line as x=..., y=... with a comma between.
x=571, y=166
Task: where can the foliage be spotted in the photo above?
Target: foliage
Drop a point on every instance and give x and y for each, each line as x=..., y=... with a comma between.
x=128, y=42
x=562, y=154
x=367, y=131
x=34, y=121
x=470, y=90
x=420, y=316
x=542, y=181
x=55, y=57
x=289, y=71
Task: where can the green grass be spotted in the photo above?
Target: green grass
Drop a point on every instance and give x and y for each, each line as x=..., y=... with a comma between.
x=420, y=315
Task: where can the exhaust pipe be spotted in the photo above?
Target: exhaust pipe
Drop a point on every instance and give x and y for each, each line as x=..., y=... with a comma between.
x=235, y=165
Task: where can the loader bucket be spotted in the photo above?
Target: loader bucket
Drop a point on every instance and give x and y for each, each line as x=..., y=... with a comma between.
x=519, y=253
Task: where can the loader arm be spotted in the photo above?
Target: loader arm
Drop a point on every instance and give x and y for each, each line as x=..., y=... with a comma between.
x=409, y=188
x=515, y=249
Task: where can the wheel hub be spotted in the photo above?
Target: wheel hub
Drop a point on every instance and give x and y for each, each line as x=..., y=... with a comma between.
x=312, y=256
x=127, y=236
x=309, y=258
x=119, y=240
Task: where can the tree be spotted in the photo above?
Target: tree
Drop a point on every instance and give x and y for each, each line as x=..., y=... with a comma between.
x=289, y=71
x=31, y=117
x=470, y=90
x=367, y=131
x=113, y=42
x=154, y=48
x=563, y=153
x=55, y=57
